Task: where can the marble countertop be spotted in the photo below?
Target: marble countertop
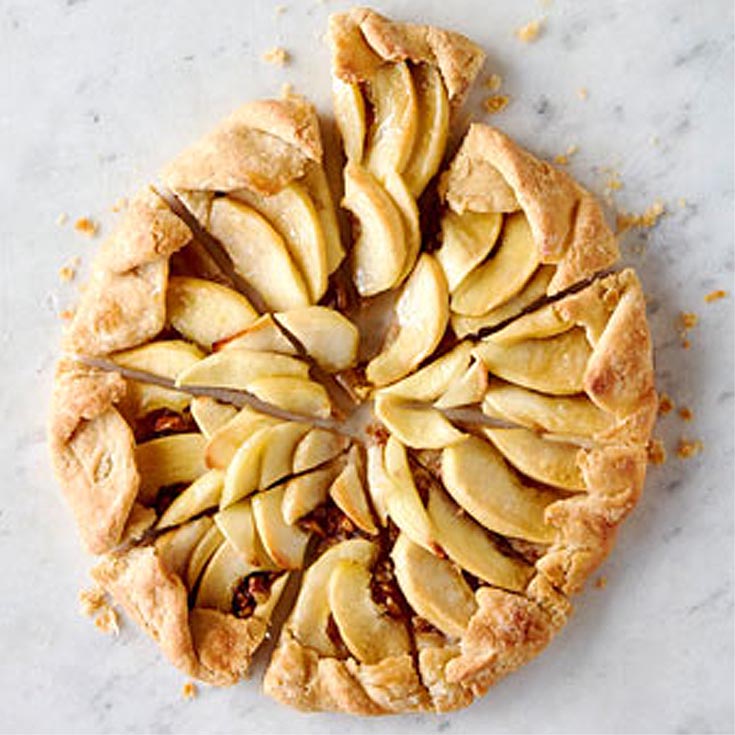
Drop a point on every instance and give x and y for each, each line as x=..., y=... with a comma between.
x=98, y=94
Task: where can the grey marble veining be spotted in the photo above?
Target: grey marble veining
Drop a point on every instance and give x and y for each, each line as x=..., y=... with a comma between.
x=97, y=95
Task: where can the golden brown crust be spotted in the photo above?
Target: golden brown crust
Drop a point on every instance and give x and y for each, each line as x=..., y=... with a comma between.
x=490, y=173
x=362, y=40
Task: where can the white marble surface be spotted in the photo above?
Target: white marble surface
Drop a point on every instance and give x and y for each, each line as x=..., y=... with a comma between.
x=96, y=95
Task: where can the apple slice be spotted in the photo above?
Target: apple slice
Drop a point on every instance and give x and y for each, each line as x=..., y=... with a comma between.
x=206, y=312
x=168, y=359
x=540, y=324
x=277, y=459
x=224, y=571
x=210, y=415
x=306, y=492
x=556, y=365
x=504, y=275
x=379, y=250
x=418, y=427
x=202, y=494
x=551, y=462
x=243, y=473
x=379, y=483
x=299, y=396
x=176, y=547
x=348, y=493
x=479, y=480
x=433, y=587
x=469, y=389
x=403, y=502
x=285, y=544
x=396, y=187
x=169, y=460
x=263, y=335
x=349, y=113
x=369, y=633
x=574, y=416
x=202, y=553
x=292, y=213
x=237, y=525
x=225, y=441
x=467, y=239
x=432, y=129
x=328, y=337
x=257, y=252
x=317, y=447
x=315, y=181
x=433, y=380
x=237, y=368
x=468, y=545
x=422, y=313
x=392, y=134
x=310, y=617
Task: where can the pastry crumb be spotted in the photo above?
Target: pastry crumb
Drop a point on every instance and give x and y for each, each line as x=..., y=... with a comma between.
x=279, y=10
x=529, y=32
x=688, y=448
x=277, y=56
x=496, y=103
x=715, y=296
x=627, y=220
x=493, y=82
x=107, y=621
x=686, y=344
x=665, y=404
x=601, y=582
x=583, y=93
x=656, y=451
x=62, y=219
x=562, y=159
x=688, y=320
x=286, y=90
x=686, y=414
x=189, y=690
x=68, y=272
x=87, y=226
x=66, y=314
x=91, y=601
x=120, y=205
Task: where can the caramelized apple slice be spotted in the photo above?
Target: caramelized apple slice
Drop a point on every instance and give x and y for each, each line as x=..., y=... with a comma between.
x=277, y=459
x=210, y=415
x=328, y=337
x=202, y=494
x=574, y=416
x=469, y=389
x=310, y=616
x=202, y=553
x=167, y=359
x=469, y=546
x=422, y=314
x=379, y=251
x=349, y=113
x=292, y=213
x=348, y=493
x=243, y=473
x=300, y=396
x=284, y=543
x=402, y=500
x=317, y=447
x=467, y=239
x=432, y=129
x=500, y=278
x=206, y=312
x=176, y=547
x=237, y=525
x=555, y=365
x=396, y=187
x=306, y=492
x=169, y=460
x=257, y=252
x=369, y=633
x=433, y=380
x=395, y=119
x=237, y=368
x=418, y=427
x=433, y=587
x=379, y=483
x=551, y=462
x=224, y=571
x=540, y=324
x=227, y=439
x=476, y=476
x=263, y=335
x=316, y=183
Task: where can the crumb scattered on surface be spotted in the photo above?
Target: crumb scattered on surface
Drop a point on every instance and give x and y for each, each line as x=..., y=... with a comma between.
x=286, y=90
x=277, y=56
x=626, y=220
x=62, y=219
x=715, y=296
x=688, y=448
x=107, y=621
x=686, y=414
x=656, y=452
x=601, y=582
x=529, y=32
x=686, y=344
x=279, y=9
x=189, y=690
x=688, y=320
x=562, y=159
x=493, y=82
x=496, y=103
x=68, y=271
x=613, y=181
x=120, y=205
x=665, y=404
x=583, y=93
x=66, y=314
x=91, y=601
x=87, y=226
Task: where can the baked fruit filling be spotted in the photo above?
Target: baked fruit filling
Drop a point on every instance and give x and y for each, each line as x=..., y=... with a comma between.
x=413, y=444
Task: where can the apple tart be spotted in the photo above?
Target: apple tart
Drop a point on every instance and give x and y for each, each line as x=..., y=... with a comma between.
x=411, y=445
